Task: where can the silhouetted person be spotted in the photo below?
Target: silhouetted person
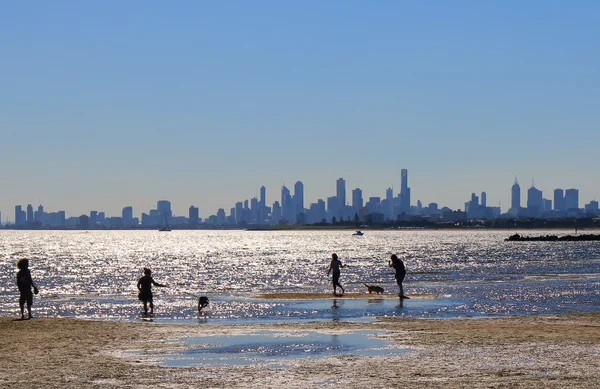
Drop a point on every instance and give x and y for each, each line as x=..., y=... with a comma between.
x=397, y=264
x=202, y=303
x=25, y=283
x=335, y=266
x=144, y=285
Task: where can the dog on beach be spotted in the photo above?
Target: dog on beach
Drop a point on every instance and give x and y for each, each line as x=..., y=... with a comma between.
x=374, y=289
x=202, y=302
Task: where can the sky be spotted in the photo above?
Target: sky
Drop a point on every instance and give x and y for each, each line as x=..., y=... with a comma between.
x=111, y=104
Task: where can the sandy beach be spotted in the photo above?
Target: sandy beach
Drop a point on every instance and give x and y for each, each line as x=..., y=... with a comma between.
x=558, y=351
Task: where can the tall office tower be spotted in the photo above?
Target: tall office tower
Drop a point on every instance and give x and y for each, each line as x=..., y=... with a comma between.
x=263, y=196
x=340, y=192
x=38, y=216
x=239, y=211
x=193, y=215
x=404, y=192
x=333, y=207
x=254, y=209
x=534, y=201
x=127, y=216
x=29, y=214
x=20, y=216
x=483, y=199
x=93, y=220
x=276, y=213
x=287, y=206
x=357, y=199
x=62, y=218
x=389, y=200
x=572, y=199
x=559, y=200
x=515, y=198
x=164, y=209
x=299, y=197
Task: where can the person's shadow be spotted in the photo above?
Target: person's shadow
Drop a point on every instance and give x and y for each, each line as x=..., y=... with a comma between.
x=400, y=304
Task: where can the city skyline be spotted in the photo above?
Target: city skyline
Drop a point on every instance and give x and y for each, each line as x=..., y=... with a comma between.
x=204, y=103
x=289, y=203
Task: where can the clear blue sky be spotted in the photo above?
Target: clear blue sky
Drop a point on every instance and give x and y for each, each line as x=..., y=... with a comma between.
x=115, y=103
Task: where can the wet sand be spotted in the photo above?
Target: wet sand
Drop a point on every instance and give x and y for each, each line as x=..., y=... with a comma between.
x=558, y=351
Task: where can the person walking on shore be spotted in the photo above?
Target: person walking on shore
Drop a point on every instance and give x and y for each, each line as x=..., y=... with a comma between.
x=25, y=283
x=398, y=265
x=334, y=267
x=144, y=286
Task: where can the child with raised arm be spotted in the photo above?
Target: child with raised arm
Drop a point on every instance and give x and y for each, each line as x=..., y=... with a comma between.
x=25, y=283
x=144, y=286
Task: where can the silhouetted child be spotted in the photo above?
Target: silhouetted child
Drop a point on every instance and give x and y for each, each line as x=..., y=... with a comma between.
x=144, y=285
x=202, y=303
x=398, y=265
x=25, y=283
x=335, y=266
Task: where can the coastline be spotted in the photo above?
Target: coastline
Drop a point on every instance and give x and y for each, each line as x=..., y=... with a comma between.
x=549, y=351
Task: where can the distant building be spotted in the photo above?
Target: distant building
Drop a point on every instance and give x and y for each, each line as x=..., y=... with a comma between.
x=194, y=215
x=357, y=199
x=127, y=216
x=515, y=199
x=30, y=218
x=20, y=216
x=534, y=202
x=299, y=202
x=404, y=192
x=572, y=199
x=340, y=193
x=164, y=209
x=559, y=200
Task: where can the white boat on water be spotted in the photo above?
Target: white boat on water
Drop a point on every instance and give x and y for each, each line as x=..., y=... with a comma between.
x=358, y=233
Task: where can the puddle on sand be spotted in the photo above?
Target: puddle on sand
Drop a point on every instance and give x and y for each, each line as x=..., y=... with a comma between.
x=274, y=348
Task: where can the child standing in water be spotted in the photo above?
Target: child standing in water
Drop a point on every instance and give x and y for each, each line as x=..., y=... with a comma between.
x=335, y=266
x=144, y=286
x=25, y=283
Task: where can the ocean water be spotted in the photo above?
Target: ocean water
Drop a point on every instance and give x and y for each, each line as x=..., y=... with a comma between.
x=465, y=273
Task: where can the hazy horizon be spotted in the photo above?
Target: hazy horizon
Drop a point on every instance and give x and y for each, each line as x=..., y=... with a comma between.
x=107, y=105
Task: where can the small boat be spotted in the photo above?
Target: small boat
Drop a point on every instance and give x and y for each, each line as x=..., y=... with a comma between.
x=358, y=233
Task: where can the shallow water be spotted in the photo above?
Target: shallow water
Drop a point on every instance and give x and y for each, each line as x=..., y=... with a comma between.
x=275, y=348
x=93, y=274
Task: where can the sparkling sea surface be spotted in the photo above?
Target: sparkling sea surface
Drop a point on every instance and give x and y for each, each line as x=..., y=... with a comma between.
x=470, y=272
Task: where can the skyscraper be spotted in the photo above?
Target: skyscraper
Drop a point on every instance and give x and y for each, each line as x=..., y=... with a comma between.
x=287, y=206
x=404, y=192
x=127, y=216
x=357, y=199
x=164, y=209
x=20, y=216
x=559, y=200
x=483, y=199
x=341, y=192
x=534, y=201
x=299, y=197
x=263, y=196
x=515, y=198
x=572, y=199
x=29, y=214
